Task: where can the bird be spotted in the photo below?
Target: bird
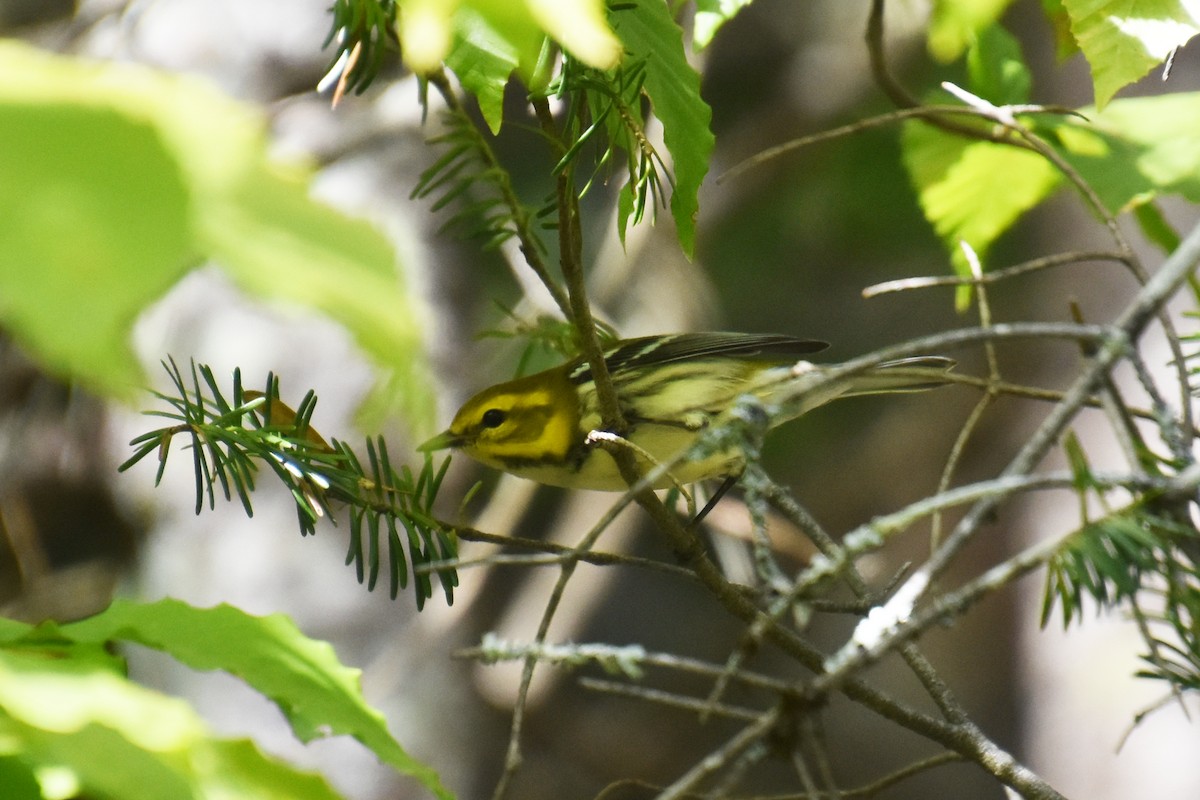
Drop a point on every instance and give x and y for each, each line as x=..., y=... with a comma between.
x=547, y=426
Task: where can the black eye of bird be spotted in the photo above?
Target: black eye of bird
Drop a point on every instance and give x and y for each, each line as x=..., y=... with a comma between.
x=493, y=418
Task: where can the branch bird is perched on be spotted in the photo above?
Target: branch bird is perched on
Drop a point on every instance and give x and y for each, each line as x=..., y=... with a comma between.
x=670, y=388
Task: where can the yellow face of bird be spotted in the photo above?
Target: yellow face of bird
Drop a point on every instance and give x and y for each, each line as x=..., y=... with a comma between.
x=523, y=422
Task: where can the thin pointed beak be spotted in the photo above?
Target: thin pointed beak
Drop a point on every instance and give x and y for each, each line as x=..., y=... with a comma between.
x=444, y=440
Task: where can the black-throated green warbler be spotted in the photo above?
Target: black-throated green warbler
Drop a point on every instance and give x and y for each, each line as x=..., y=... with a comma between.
x=670, y=388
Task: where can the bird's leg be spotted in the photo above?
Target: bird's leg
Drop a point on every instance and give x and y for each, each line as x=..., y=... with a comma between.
x=725, y=486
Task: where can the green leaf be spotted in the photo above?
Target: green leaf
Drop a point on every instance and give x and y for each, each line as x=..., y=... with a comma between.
x=302, y=676
x=1155, y=226
x=245, y=769
x=625, y=208
x=579, y=26
x=427, y=29
x=649, y=33
x=94, y=217
x=710, y=16
x=483, y=61
x=1081, y=471
x=116, y=179
x=276, y=241
x=18, y=780
x=11, y=629
x=1136, y=149
x=997, y=67
x=955, y=24
x=972, y=191
x=1060, y=23
x=1124, y=39
x=118, y=739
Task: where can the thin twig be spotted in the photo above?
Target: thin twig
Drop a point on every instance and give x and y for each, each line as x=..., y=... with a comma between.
x=716, y=760
x=878, y=786
x=928, y=113
x=1007, y=118
x=567, y=568
x=893, y=622
x=887, y=781
x=995, y=275
x=805, y=774
x=544, y=554
x=901, y=97
x=812, y=733
x=990, y=393
x=523, y=222
x=667, y=699
x=570, y=255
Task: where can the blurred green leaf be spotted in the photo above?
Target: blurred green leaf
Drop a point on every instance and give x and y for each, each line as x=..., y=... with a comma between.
x=1155, y=226
x=997, y=67
x=972, y=191
x=118, y=739
x=955, y=24
x=275, y=241
x=18, y=780
x=483, y=61
x=1123, y=40
x=1137, y=148
x=710, y=16
x=428, y=28
x=673, y=86
x=1065, y=45
x=317, y=694
x=246, y=772
x=94, y=217
x=11, y=629
x=116, y=179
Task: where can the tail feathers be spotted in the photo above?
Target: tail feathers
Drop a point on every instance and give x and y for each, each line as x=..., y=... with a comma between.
x=902, y=375
x=915, y=374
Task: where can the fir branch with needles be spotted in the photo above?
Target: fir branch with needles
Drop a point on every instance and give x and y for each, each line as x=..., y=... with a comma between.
x=470, y=165
x=1143, y=557
x=389, y=508
x=610, y=117
x=362, y=32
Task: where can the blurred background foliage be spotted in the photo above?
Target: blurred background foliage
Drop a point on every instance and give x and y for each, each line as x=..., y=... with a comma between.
x=787, y=247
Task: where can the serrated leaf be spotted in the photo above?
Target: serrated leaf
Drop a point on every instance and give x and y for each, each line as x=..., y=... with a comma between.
x=483, y=61
x=1060, y=23
x=955, y=24
x=1136, y=149
x=302, y=676
x=649, y=33
x=1123, y=40
x=972, y=191
x=246, y=772
x=118, y=739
